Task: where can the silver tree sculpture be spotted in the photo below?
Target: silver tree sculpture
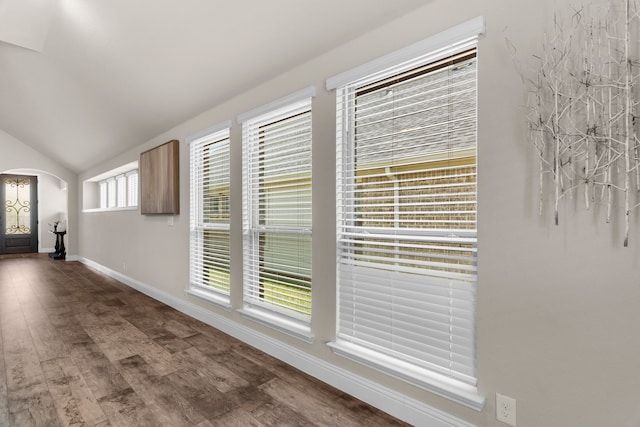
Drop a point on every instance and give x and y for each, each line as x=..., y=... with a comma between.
x=582, y=108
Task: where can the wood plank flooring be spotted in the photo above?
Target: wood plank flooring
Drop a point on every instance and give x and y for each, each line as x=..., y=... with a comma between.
x=78, y=348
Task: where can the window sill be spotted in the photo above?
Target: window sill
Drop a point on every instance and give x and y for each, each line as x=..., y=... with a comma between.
x=128, y=208
x=441, y=385
x=286, y=325
x=214, y=298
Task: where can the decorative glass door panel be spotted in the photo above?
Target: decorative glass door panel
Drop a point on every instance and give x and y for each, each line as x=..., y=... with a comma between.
x=19, y=217
x=18, y=205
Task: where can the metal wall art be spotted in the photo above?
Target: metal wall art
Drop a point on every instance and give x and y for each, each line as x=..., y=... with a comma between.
x=583, y=109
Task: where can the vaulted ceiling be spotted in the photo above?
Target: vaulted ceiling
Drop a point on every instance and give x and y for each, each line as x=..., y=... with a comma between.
x=84, y=80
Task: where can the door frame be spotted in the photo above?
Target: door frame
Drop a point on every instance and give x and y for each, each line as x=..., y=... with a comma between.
x=33, y=246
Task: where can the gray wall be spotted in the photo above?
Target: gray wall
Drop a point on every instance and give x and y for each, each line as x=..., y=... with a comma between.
x=558, y=306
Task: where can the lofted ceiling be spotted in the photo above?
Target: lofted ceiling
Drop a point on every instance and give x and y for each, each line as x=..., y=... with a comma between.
x=84, y=80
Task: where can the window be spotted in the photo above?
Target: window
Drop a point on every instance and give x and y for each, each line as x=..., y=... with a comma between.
x=111, y=192
x=277, y=216
x=120, y=191
x=406, y=217
x=132, y=188
x=210, y=216
x=121, y=184
x=103, y=194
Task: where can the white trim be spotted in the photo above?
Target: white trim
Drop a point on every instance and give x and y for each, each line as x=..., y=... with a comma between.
x=441, y=385
x=302, y=94
x=226, y=125
x=443, y=40
x=115, y=209
x=286, y=325
x=218, y=300
x=46, y=250
x=391, y=401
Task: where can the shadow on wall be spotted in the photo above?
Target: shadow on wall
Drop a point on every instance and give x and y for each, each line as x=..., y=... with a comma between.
x=53, y=204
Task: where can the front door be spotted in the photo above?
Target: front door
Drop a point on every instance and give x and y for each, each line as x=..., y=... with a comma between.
x=19, y=216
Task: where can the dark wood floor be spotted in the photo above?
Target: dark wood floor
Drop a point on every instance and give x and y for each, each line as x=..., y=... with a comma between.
x=79, y=348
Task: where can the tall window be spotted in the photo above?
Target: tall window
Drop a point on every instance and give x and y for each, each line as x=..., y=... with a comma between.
x=277, y=216
x=406, y=200
x=210, y=215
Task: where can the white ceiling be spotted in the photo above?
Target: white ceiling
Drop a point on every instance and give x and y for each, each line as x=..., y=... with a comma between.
x=109, y=75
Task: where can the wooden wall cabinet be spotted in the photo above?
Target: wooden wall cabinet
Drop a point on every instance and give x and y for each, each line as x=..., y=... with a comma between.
x=159, y=180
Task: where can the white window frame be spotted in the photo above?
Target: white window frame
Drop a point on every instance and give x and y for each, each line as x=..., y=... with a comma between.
x=118, y=192
x=121, y=191
x=113, y=190
x=102, y=202
x=219, y=136
x=286, y=321
x=112, y=193
x=439, y=46
x=133, y=185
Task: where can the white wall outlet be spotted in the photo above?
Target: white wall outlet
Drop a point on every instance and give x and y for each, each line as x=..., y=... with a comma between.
x=170, y=220
x=506, y=409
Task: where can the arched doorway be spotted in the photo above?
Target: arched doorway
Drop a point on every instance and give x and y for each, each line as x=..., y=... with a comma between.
x=51, y=205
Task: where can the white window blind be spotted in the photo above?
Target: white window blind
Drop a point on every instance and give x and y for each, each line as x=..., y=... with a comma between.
x=111, y=192
x=118, y=188
x=277, y=211
x=132, y=188
x=119, y=191
x=210, y=214
x=103, y=194
x=406, y=217
x=121, y=184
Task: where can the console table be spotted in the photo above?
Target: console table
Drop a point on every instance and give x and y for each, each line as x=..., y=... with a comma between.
x=61, y=252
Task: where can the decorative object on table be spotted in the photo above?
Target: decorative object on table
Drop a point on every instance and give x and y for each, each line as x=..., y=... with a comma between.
x=582, y=102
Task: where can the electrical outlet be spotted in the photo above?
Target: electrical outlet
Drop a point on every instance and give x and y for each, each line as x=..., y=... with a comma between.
x=506, y=409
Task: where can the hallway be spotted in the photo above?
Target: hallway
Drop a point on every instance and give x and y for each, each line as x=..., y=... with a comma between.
x=79, y=348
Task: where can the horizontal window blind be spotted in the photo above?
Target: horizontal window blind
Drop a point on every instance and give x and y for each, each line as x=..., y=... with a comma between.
x=111, y=192
x=406, y=214
x=121, y=183
x=277, y=210
x=210, y=213
x=119, y=191
x=132, y=188
x=103, y=194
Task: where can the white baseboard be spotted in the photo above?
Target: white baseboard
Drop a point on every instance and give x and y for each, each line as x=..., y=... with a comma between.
x=46, y=250
x=388, y=400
